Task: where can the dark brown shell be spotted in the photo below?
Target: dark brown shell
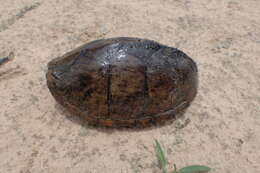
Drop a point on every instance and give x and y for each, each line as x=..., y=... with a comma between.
x=123, y=82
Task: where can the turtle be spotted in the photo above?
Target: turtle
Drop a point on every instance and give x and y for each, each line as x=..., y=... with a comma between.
x=123, y=82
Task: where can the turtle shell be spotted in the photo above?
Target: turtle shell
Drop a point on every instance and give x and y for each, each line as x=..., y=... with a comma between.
x=123, y=82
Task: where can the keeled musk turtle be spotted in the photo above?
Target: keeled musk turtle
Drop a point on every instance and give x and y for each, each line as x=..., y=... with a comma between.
x=123, y=82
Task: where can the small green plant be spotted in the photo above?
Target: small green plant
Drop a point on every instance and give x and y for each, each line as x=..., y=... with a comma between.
x=163, y=162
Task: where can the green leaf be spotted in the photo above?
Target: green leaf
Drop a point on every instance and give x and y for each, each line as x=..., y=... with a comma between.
x=160, y=155
x=194, y=169
x=175, y=169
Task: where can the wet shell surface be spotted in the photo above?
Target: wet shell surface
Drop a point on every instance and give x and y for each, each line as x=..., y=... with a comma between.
x=123, y=82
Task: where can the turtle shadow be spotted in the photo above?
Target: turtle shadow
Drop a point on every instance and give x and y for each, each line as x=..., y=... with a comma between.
x=109, y=130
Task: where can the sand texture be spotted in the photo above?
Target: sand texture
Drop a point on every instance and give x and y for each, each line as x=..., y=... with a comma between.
x=220, y=129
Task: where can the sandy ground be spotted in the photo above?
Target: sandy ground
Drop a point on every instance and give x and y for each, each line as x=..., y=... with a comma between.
x=220, y=129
